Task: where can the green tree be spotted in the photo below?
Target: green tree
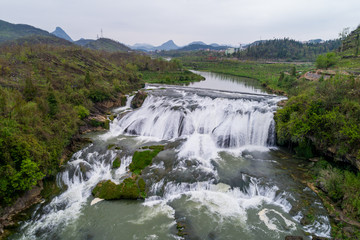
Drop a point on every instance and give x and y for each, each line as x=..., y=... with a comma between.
x=29, y=89
x=53, y=104
x=326, y=61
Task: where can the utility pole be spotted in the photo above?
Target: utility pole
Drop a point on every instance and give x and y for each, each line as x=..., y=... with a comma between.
x=102, y=35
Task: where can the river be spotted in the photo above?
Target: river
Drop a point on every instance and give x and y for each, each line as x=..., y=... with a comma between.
x=220, y=176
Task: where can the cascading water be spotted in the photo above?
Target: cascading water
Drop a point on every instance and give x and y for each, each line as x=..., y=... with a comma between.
x=217, y=175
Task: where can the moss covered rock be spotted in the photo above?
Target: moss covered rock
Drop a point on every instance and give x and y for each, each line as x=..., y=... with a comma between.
x=142, y=159
x=116, y=163
x=138, y=99
x=130, y=188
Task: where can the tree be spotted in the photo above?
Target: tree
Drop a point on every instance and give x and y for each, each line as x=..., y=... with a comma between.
x=343, y=34
x=357, y=45
x=29, y=89
x=326, y=61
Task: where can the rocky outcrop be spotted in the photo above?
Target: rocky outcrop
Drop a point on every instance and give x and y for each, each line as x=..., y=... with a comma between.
x=130, y=188
x=138, y=99
x=118, y=102
x=8, y=214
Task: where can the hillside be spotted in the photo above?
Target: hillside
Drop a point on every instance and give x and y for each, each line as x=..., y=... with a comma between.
x=286, y=49
x=38, y=39
x=349, y=55
x=9, y=31
x=103, y=44
x=49, y=92
x=82, y=42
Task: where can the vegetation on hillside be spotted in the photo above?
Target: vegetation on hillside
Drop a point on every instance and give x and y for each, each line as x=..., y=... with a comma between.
x=105, y=44
x=9, y=31
x=46, y=93
x=286, y=49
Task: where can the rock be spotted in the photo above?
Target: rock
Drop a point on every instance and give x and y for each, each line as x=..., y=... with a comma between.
x=314, y=159
x=116, y=163
x=128, y=189
x=30, y=198
x=119, y=101
x=138, y=99
x=282, y=103
x=319, y=238
x=95, y=201
x=294, y=238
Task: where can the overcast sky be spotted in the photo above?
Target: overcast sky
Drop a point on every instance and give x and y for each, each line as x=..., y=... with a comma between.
x=184, y=21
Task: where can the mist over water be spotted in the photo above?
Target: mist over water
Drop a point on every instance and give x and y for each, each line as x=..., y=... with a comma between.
x=220, y=175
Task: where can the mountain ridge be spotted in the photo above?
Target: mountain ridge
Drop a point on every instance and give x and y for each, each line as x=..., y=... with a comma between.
x=59, y=32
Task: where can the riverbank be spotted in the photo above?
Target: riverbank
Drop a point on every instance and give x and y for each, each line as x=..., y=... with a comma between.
x=320, y=119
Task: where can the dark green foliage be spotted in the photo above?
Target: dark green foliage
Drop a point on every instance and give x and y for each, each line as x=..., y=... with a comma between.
x=304, y=149
x=142, y=159
x=87, y=79
x=53, y=104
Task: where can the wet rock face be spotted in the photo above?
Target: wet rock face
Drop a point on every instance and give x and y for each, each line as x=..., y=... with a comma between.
x=138, y=99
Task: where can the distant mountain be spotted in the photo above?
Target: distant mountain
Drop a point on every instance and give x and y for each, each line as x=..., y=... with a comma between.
x=59, y=32
x=169, y=45
x=195, y=47
x=143, y=47
x=215, y=45
x=197, y=43
x=103, y=44
x=9, y=31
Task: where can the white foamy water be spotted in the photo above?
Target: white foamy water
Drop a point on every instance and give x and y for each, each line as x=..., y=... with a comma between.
x=83, y=172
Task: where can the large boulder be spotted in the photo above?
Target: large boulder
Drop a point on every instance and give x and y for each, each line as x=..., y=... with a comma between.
x=130, y=188
x=138, y=99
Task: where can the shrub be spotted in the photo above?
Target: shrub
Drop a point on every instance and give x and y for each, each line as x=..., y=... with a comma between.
x=82, y=111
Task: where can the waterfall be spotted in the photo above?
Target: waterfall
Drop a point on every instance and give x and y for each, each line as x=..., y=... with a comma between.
x=230, y=123
x=189, y=178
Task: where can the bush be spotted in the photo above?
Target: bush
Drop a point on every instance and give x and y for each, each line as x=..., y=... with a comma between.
x=82, y=111
x=326, y=61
